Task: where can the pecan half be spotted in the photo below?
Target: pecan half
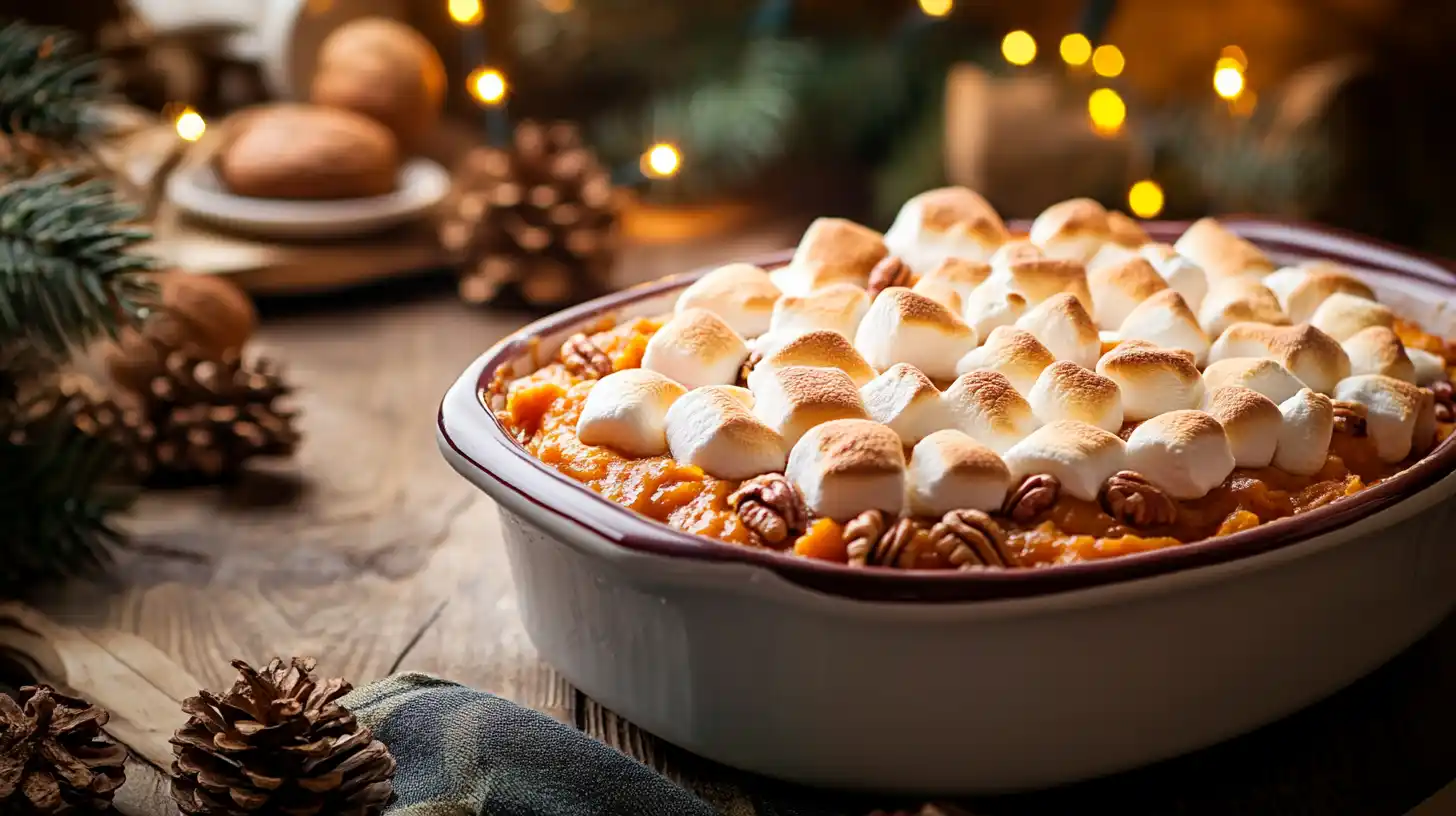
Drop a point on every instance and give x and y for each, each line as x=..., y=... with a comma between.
x=1136, y=502
x=861, y=534
x=889, y=272
x=772, y=508
x=895, y=543
x=969, y=539
x=1445, y=401
x=747, y=368
x=583, y=358
x=1035, y=495
x=1350, y=418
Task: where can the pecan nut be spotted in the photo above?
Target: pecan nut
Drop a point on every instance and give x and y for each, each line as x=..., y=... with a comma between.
x=1136, y=502
x=861, y=534
x=969, y=539
x=584, y=358
x=1035, y=495
x=897, y=543
x=747, y=368
x=771, y=507
x=1445, y=401
x=1350, y=418
x=889, y=272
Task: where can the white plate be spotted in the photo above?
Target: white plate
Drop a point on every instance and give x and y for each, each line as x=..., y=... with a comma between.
x=199, y=192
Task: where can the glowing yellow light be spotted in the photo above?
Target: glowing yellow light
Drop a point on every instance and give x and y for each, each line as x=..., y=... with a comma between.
x=1107, y=110
x=1108, y=61
x=1018, y=48
x=1236, y=55
x=1245, y=104
x=1145, y=199
x=191, y=125
x=1228, y=63
x=1228, y=82
x=466, y=12
x=1075, y=49
x=937, y=8
x=488, y=85
x=661, y=160
x=558, y=6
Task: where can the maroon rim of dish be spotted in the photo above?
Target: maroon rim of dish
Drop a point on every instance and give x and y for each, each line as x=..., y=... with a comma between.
x=515, y=469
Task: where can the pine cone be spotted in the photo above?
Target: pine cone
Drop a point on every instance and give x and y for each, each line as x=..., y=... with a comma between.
x=86, y=405
x=278, y=742
x=54, y=757
x=540, y=216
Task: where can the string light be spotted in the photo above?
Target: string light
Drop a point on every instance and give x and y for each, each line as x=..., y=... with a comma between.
x=1145, y=199
x=1245, y=104
x=466, y=12
x=190, y=125
x=1228, y=82
x=1107, y=110
x=1075, y=49
x=937, y=8
x=1019, y=48
x=1108, y=61
x=558, y=6
x=661, y=161
x=488, y=86
x=1234, y=55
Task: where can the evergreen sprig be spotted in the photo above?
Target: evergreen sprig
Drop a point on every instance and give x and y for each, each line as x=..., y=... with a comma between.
x=46, y=85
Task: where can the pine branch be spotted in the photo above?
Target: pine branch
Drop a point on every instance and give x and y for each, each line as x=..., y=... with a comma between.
x=46, y=86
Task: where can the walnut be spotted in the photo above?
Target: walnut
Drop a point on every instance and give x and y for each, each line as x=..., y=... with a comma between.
x=889, y=272
x=772, y=508
x=1136, y=502
x=583, y=358
x=1350, y=418
x=969, y=539
x=1035, y=495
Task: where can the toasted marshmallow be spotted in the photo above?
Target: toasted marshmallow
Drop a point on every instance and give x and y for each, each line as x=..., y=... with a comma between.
x=833, y=250
x=1302, y=289
x=1221, y=253
x=1152, y=380
x=837, y=308
x=1081, y=456
x=952, y=222
x=984, y=405
x=696, y=348
x=1123, y=230
x=1268, y=377
x=742, y=294
x=1392, y=408
x=1378, y=350
x=993, y=304
x=1309, y=354
x=1065, y=328
x=1165, y=320
x=848, y=466
x=1111, y=254
x=1073, y=229
x=1423, y=438
x=951, y=471
x=1014, y=252
x=907, y=402
x=1041, y=279
x=903, y=327
x=1304, y=433
x=1238, y=300
x=1341, y=315
x=1118, y=290
x=1066, y=390
x=1013, y=352
x=821, y=349
x=627, y=412
x=1252, y=422
x=793, y=399
x=1185, y=453
x=952, y=282
x=1183, y=276
x=1428, y=367
x=737, y=392
x=711, y=428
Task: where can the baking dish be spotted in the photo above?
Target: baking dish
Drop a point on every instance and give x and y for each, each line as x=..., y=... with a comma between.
x=965, y=682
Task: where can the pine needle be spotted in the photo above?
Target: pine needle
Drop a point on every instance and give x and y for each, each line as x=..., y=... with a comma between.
x=46, y=86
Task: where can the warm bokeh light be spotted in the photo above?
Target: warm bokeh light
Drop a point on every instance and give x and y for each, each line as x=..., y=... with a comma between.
x=1228, y=82
x=466, y=12
x=937, y=8
x=661, y=160
x=191, y=125
x=1145, y=199
x=1018, y=48
x=1076, y=49
x=558, y=6
x=488, y=85
x=1107, y=110
x=1236, y=55
x=1229, y=63
x=1246, y=103
x=1108, y=61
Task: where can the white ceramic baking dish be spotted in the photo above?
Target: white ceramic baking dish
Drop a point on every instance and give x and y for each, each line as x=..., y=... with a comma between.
x=965, y=682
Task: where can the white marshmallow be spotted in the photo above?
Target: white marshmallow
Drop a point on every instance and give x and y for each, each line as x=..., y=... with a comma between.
x=1166, y=321
x=951, y=471
x=627, y=412
x=1152, y=380
x=1184, y=453
x=833, y=250
x=1261, y=374
x=1304, y=436
x=1252, y=422
x=907, y=402
x=1183, y=276
x=1309, y=354
x=1378, y=350
x=1301, y=289
x=952, y=282
x=1079, y=455
x=1428, y=367
x=820, y=349
x=1065, y=328
x=837, y=308
x=742, y=294
x=1423, y=437
x=711, y=428
x=847, y=466
x=991, y=306
x=1221, y=253
x=1341, y=315
x=793, y=399
x=1392, y=410
x=696, y=348
x=1074, y=229
x=1238, y=300
x=1014, y=252
x=1040, y=279
x=984, y=405
x=903, y=327
x=1111, y=254
x=1118, y=289
x=1013, y=352
x=951, y=222
x=1066, y=390
x=1125, y=230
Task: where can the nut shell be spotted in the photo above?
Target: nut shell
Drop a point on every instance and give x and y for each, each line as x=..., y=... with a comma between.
x=385, y=70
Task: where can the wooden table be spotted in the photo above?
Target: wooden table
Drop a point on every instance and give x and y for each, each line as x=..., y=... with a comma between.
x=369, y=553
